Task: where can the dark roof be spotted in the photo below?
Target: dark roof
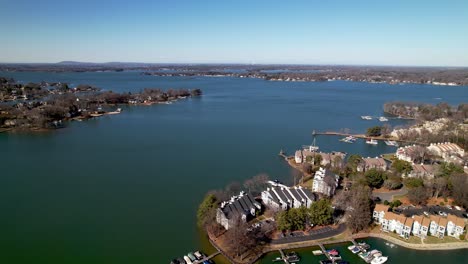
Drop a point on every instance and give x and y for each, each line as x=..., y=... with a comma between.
x=273, y=196
x=241, y=205
x=281, y=194
x=288, y=195
x=296, y=194
x=309, y=194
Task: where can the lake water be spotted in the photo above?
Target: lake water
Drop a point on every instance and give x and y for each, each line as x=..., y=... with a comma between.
x=125, y=188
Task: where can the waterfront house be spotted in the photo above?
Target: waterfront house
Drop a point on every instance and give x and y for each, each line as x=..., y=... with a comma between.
x=407, y=227
x=379, y=213
x=325, y=182
x=388, y=222
x=281, y=197
x=434, y=225
x=407, y=153
x=441, y=228
x=446, y=150
x=298, y=157
x=417, y=225
x=372, y=163
x=399, y=224
x=239, y=208
x=455, y=226
x=426, y=222
x=423, y=171
x=335, y=158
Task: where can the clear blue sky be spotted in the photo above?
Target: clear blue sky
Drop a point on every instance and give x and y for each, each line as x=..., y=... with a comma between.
x=410, y=32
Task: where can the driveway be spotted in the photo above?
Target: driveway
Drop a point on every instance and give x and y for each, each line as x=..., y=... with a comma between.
x=389, y=195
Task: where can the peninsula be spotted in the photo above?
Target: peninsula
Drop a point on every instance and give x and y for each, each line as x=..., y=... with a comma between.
x=39, y=106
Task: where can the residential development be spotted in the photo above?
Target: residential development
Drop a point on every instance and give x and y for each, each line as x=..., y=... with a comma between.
x=418, y=225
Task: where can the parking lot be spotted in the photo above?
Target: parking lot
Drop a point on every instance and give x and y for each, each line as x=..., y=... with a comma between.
x=431, y=210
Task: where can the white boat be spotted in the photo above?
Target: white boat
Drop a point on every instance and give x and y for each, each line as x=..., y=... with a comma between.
x=372, y=141
x=391, y=143
x=366, y=117
x=187, y=260
x=383, y=119
x=379, y=260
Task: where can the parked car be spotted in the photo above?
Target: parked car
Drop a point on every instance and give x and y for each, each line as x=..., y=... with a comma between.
x=426, y=213
x=442, y=213
x=458, y=208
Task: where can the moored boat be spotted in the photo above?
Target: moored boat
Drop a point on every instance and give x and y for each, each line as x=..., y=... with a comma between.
x=383, y=119
x=187, y=260
x=379, y=260
x=366, y=117
x=354, y=249
x=292, y=257
x=391, y=143
x=372, y=141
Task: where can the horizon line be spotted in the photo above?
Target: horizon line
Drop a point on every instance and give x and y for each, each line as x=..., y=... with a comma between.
x=65, y=62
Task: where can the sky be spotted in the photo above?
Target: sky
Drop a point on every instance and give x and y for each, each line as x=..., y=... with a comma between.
x=410, y=33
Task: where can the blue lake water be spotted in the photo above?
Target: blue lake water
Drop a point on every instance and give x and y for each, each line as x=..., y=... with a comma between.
x=125, y=188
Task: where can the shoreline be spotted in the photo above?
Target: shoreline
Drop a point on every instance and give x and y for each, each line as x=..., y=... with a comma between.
x=421, y=247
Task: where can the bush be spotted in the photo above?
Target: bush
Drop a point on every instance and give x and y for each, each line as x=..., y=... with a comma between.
x=386, y=202
x=413, y=182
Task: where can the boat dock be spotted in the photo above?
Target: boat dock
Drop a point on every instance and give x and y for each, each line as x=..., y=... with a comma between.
x=363, y=136
x=325, y=252
x=207, y=258
x=283, y=154
x=283, y=257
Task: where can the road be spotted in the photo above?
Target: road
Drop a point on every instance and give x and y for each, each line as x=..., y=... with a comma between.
x=321, y=233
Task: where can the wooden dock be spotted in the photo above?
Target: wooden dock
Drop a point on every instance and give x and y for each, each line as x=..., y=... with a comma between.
x=363, y=136
x=283, y=154
x=207, y=258
x=283, y=257
x=325, y=252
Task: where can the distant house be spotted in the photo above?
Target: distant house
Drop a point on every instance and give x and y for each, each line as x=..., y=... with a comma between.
x=325, y=182
x=455, y=226
x=407, y=153
x=446, y=150
x=281, y=197
x=372, y=163
x=241, y=207
x=423, y=171
x=298, y=156
x=331, y=158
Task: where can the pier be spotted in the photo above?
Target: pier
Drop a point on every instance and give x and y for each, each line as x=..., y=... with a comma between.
x=283, y=154
x=207, y=258
x=363, y=136
x=283, y=257
x=325, y=252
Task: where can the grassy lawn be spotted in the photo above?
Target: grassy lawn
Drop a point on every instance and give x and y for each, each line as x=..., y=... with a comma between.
x=411, y=239
x=436, y=240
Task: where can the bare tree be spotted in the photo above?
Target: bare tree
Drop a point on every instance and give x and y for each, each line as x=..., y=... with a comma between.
x=257, y=184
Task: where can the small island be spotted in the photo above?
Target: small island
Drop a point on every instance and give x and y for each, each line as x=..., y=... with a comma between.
x=42, y=106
